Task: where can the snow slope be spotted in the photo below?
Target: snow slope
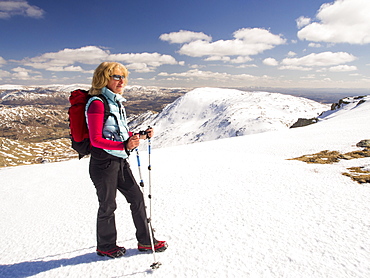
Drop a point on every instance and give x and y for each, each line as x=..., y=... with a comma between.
x=206, y=114
x=232, y=207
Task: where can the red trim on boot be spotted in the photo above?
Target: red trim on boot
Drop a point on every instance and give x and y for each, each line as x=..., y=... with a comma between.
x=160, y=246
x=113, y=253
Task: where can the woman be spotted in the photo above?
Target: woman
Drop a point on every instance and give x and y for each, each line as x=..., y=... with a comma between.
x=109, y=170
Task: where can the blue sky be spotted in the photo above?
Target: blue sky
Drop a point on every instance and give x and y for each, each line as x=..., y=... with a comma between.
x=233, y=43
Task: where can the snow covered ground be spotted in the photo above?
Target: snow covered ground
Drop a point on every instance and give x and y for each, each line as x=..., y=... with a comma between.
x=206, y=114
x=227, y=208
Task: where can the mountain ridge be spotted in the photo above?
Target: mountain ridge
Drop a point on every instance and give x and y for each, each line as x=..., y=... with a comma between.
x=206, y=115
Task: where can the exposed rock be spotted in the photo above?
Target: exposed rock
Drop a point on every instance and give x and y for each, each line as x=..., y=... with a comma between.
x=348, y=100
x=364, y=143
x=304, y=122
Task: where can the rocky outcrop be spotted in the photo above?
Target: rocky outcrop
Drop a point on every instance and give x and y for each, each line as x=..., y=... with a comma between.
x=364, y=143
x=304, y=122
x=348, y=100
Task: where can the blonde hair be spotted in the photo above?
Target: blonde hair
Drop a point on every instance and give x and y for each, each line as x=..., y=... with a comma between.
x=102, y=75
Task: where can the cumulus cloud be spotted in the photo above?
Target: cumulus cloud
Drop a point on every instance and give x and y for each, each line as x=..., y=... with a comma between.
x=2, y=61
x=13, y=8
x=320, y=59
x=184, y=36
x=4, y=74
x=66, y=59
x=343, y=21
x=343, y=68
x=270, y=62
x=25, y=74
x=312, y=44
x=246, y=42
x=302, y=21
x=294, y=67
x=199, y=74
x=143, y=62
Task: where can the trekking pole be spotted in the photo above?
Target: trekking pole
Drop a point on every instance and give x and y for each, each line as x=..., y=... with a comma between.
x=150, y=178
x=139, y=166
x=155, y=264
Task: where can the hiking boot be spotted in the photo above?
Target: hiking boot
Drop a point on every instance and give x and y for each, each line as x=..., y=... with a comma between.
x=113, y=253
x=159, y=246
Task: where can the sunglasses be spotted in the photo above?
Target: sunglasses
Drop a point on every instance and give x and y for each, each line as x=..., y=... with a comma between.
x=118, y=77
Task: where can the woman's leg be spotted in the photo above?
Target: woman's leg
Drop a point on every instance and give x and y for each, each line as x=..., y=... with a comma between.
x=130, y=189
x=103, y=173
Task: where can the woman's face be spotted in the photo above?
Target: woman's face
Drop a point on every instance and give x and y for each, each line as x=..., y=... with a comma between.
x=116, y=86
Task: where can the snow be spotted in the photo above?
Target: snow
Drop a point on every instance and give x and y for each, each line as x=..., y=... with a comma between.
x=233, y=207
x=206, y=114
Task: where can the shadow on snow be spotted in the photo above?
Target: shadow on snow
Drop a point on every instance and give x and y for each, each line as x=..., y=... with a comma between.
x=30, y=268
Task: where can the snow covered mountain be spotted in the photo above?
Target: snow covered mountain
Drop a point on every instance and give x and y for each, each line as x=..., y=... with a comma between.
x=236, y=207
x=17, y=94
x=33, y=119
x=206, y=114
x=202, y=114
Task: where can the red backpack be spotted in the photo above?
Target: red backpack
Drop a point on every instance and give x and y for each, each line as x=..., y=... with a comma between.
x=79, y=132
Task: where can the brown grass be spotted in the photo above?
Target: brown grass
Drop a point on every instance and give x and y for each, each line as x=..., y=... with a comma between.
x=357, y=174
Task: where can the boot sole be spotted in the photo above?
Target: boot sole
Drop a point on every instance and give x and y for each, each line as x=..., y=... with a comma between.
x=120, y=254
x=160, y=249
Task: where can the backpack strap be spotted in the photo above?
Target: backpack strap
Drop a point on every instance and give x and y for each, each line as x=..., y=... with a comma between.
x=107, y=112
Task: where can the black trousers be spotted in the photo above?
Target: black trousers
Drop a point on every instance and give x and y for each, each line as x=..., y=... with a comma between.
x=110, y=174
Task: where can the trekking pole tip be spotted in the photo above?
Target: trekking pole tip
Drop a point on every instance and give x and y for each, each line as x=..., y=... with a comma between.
x=155, y=265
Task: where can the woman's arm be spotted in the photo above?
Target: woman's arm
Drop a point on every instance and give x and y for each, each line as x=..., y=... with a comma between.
x=95, y=116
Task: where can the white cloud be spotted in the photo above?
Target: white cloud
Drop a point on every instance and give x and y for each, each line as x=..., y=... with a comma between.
x=143, y=62
x=293, y=67
x=302, y=21
x=139, y=67
x=343, y=21
x=320, y=59
x=291, y=54
x=240, y=60
x=270, y=62
x=20, y=69
x=195, y=66
x=209, y=75
x=184, y=36
x=151, y=59
x=309, y=76
x=218, y=58
x=258, y=36
x=246, y=42
x=25, y=74
x=2, y=61
x=237, y=60
x=312, y=44
x=343, y=68
x=69, y=68
x=4, y=73
x=13, y=8
x=66, y=59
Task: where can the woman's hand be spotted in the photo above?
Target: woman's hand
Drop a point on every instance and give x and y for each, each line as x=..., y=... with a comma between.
x=132, y=142
x=150, y=132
